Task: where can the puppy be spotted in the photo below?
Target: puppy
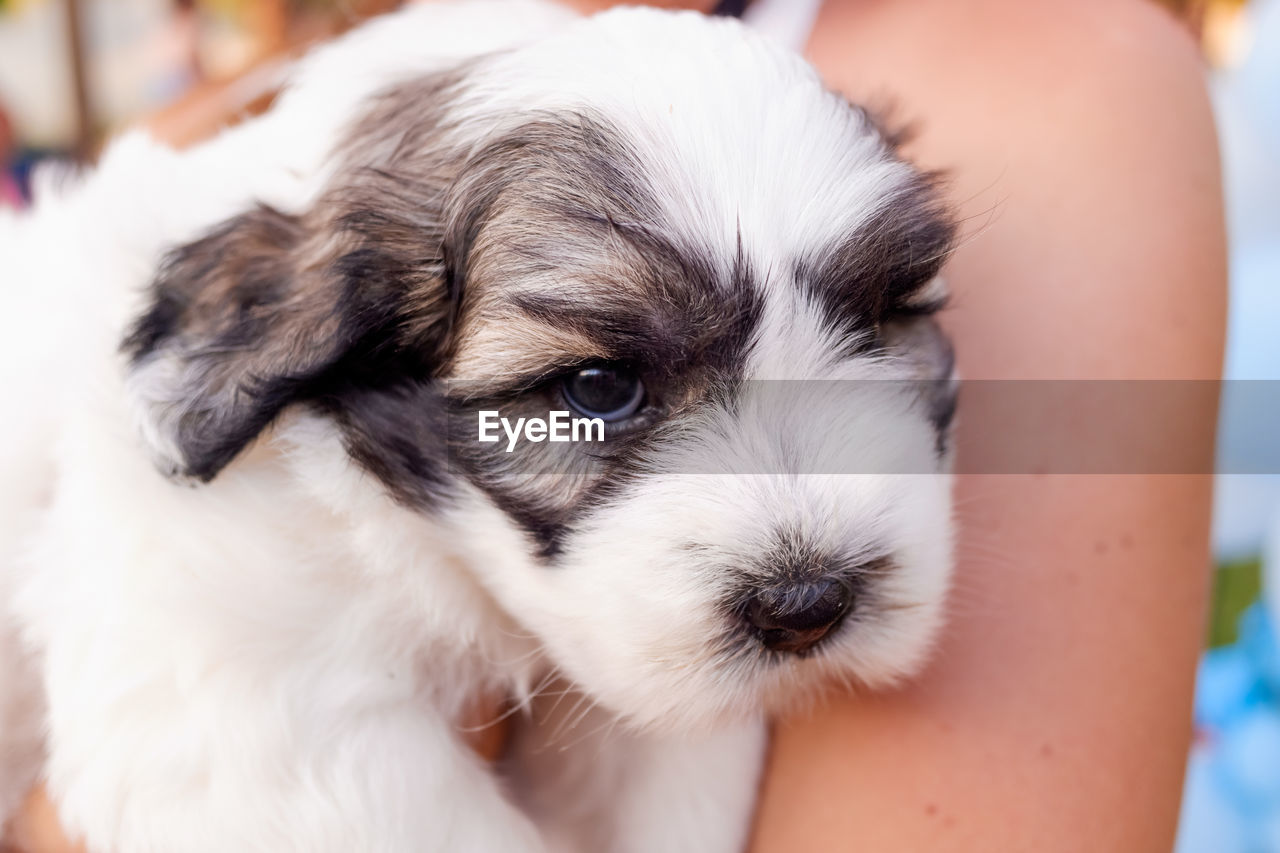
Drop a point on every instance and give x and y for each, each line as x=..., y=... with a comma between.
x=257, y=557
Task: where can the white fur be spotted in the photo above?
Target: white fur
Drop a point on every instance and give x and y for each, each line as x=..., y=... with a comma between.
x=278, y=660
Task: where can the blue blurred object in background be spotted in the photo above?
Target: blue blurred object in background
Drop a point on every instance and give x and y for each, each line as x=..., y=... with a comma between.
x=1231, y=801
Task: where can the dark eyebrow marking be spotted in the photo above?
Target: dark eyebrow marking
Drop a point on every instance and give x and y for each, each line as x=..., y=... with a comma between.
x=874, y=273
x=621, y=327
x=665, y=322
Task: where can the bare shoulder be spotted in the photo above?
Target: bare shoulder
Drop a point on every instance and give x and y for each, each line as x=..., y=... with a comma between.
x=1081, y=152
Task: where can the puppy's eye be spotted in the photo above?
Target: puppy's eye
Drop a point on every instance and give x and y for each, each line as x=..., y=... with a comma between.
x=609, y=393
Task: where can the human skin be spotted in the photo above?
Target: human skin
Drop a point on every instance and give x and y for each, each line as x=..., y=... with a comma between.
x=1057, y=714
x=1080, y=153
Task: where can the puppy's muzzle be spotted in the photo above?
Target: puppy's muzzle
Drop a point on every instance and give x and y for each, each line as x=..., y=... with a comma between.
x=794, y=616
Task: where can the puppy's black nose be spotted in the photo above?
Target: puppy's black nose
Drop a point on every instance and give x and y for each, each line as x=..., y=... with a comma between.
x=793, y=617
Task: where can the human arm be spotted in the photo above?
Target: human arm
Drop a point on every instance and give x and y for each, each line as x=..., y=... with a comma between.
x=1057, y=713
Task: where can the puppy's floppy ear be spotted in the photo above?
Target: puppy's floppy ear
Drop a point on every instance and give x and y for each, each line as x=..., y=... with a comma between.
x=271, y=309
x=267, y=310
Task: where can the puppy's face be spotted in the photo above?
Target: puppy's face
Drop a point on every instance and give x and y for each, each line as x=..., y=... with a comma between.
x=723, y=264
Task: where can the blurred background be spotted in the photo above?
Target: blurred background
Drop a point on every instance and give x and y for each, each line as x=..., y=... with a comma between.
x=74, y=71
